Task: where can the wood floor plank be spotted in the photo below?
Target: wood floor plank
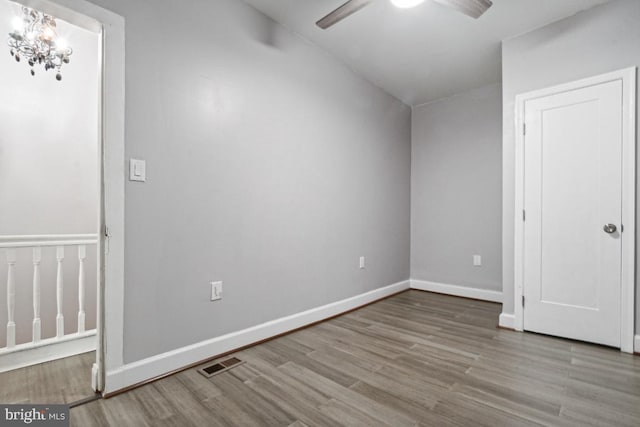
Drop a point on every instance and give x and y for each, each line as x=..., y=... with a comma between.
x=156, y=406
x=349, y=397
x=312, y=393
x=465, y=412
x=517, y=403
x=396, y=398
x=342, y=378
x=411, y=390
x=260, y=410
x=355, y=341
x=198, y=385
x=60, y=381
x=587, y=415
x=124, y=409
x=91, y=414
x=416, y=358
x=597, y=396
x=183, y=401
x=346, y=415
x=297, y=404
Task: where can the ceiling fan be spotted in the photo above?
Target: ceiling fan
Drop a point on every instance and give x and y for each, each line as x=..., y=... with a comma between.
x=472, y=8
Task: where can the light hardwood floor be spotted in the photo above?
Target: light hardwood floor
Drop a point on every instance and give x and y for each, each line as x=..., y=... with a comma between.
x=61, y=381
x=416, y=359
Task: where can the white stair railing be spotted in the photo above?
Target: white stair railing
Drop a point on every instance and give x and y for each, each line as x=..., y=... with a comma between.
x=59, y=292
x=82, y=255
x=10, y=244
x=11, y=298
x=37, y=324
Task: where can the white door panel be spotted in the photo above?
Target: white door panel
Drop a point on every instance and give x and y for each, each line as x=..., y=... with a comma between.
x=572, y=188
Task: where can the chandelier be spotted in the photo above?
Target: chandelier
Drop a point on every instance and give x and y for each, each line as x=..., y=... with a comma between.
x=35, y=39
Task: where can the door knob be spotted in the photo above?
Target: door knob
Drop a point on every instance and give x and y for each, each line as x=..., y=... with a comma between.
x=610, y=228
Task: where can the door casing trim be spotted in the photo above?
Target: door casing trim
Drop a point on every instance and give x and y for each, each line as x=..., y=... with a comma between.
x=110, y=309
x=627, y=300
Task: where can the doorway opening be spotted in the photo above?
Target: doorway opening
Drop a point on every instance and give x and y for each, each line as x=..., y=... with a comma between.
x=62, y=145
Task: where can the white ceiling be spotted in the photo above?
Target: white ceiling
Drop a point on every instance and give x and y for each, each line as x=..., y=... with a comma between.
x=425, y=53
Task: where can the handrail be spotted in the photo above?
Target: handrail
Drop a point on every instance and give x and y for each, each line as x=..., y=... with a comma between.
x=28, y=241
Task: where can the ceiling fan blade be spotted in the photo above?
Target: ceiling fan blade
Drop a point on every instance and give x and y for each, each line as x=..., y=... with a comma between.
x=350, y=7
x=472, y=8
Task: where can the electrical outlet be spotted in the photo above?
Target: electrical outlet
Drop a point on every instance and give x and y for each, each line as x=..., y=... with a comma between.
x=477, y=260
x=216, y=291
x=362, y=261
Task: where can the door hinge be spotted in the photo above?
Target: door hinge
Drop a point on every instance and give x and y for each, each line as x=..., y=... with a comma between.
x=524, y=128
x=524, y=215
x=622, y=228
x=523, y=300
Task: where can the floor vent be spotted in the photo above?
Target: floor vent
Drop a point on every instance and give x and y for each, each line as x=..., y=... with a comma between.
x=230, y=362
x=219, y=367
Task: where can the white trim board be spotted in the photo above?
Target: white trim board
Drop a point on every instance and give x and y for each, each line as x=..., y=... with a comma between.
x=110, y=310
x=637, y=344
x=135, y=373
x=627, y=300
x=507, y=321
x=48, y=351
x=455, y=290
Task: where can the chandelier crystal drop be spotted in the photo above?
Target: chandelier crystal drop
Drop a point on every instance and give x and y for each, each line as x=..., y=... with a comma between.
x=34, y=39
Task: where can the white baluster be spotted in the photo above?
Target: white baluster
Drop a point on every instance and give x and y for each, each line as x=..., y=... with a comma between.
x=11, y=298
x=82, y=255
x=59, y=294
x=37, y=257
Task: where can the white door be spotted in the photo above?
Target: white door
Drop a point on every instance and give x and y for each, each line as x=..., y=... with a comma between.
x=573, y=212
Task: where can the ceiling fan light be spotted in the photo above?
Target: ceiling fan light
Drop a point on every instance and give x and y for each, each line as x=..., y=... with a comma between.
x=406, y=4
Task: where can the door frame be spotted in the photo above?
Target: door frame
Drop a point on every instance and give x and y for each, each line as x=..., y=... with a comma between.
x=627, y=302
x=110, y=307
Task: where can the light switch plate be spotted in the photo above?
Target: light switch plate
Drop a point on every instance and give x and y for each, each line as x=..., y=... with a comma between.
x=216, y=291
x=477, y=261
x=137, y=170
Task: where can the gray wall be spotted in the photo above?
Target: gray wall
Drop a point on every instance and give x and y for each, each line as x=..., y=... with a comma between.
x=48, y=174
x=597, y=41
x=456, y=190
x=271, y=167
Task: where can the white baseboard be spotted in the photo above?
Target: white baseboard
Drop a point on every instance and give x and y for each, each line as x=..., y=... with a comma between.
x=143, y=370
x=507, y=321
x=636, y=344
x=47, y=350
x=459, y=291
